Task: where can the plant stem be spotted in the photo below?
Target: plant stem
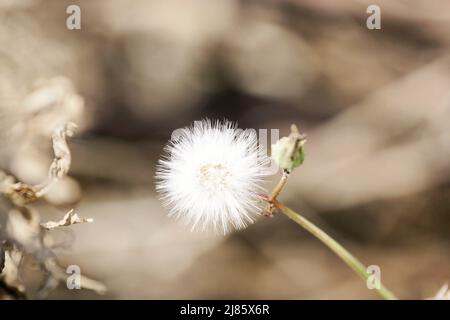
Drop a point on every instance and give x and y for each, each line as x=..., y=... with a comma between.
x=339, y=250
x=278, y=188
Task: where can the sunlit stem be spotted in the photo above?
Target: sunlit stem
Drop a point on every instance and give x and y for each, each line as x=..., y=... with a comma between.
x=276, y=191
x=339, y=250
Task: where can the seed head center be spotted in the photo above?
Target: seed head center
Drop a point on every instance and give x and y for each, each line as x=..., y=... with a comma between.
x=214, y=177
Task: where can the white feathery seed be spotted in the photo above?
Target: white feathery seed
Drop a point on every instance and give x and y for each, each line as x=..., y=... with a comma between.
x=211, y=176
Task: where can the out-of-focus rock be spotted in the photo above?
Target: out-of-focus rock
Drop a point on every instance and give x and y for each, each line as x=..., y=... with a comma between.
x=162, y=62
x=265, y=59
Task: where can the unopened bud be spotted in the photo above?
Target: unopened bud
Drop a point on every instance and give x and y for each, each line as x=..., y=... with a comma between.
x=288, y=152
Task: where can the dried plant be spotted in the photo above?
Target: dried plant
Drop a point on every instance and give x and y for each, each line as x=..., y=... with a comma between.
x=23, y=235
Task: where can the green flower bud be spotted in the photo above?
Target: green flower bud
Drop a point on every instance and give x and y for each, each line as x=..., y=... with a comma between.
x=288, y=152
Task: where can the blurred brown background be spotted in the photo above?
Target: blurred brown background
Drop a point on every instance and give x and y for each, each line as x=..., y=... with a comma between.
x=375, y=105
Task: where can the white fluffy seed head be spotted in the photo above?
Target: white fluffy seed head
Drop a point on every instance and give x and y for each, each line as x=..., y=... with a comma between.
x=211, y=176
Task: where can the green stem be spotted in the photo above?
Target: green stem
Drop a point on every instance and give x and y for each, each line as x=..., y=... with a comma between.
x=339, y=250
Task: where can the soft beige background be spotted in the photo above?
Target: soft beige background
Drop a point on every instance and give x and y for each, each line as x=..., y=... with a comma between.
x=374, y=104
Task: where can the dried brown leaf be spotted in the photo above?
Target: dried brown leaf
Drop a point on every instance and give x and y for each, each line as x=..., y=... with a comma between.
x=11, y=274
x=61, y=164
x=70, y=218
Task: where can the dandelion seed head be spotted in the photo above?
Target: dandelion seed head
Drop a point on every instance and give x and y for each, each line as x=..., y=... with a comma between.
x=211, y=176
